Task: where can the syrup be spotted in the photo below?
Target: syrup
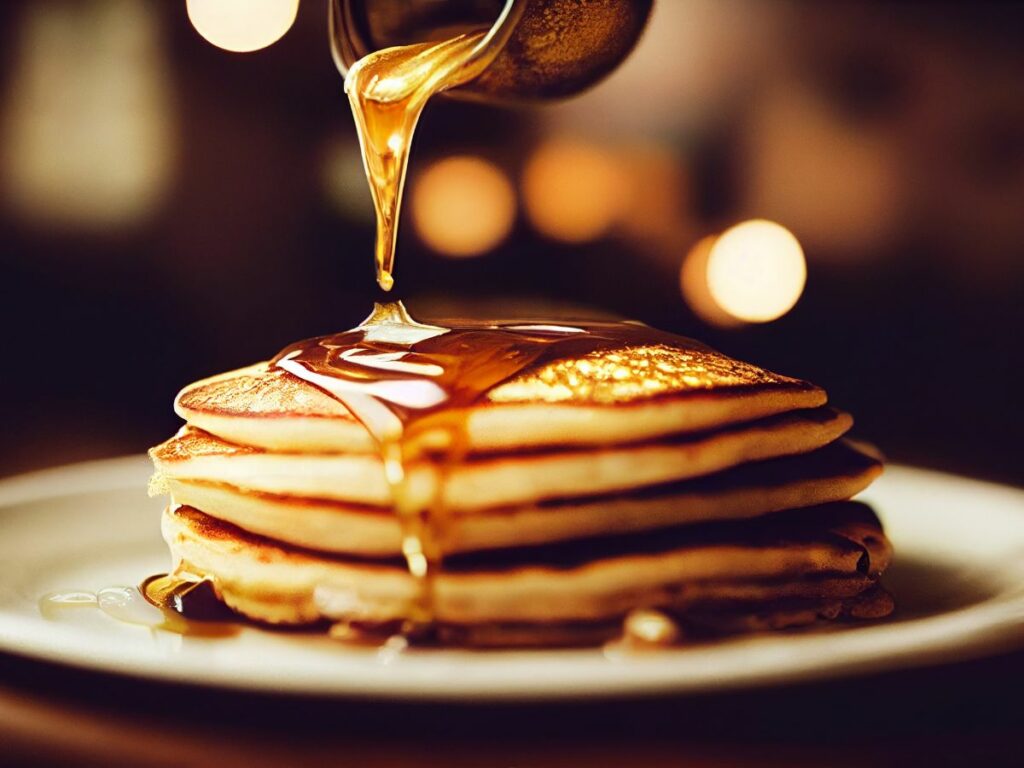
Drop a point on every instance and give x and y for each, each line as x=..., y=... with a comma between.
x=644, y=630
x=411, y=384
x=169, y=603
x=388, y=91
x=53, y=604
x=188, y=603
x=399, y=377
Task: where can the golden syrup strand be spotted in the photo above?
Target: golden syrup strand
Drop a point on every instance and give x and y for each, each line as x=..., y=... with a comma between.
x=387, y=91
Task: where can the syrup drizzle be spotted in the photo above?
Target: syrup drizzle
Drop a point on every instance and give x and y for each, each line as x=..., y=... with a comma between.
x=388, y=90
x=411, y=385
x=172, y=603
x=189, y=604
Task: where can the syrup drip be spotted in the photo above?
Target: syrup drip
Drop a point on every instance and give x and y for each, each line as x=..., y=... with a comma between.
x=170, y=603
x=644, y=629
x=188, y=602
x=388, y=90
x=411, y=385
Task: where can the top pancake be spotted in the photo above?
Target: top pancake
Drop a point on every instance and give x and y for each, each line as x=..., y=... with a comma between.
x=606, y=397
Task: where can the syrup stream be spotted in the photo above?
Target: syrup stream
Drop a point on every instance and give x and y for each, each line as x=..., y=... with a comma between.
x=387, y=91
x=401, y=378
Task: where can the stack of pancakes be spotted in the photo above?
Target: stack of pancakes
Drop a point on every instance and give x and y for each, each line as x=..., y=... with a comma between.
x=665, y=477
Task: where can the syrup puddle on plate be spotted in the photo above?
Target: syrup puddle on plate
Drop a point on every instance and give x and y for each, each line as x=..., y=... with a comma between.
x=189, y=607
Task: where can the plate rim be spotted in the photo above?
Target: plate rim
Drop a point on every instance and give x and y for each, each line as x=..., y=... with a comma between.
x=634, y=677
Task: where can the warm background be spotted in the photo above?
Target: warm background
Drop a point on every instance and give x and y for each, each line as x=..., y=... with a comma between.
x=169, y=210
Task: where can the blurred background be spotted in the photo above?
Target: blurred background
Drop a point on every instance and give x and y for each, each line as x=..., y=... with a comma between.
x=169, y=209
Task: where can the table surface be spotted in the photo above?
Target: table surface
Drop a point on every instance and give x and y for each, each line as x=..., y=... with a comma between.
x=970, y=713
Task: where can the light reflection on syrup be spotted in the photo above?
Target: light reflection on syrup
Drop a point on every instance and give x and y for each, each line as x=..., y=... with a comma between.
x=644, y=629
x=392, y=648
x=53, y=604
x=189, y=605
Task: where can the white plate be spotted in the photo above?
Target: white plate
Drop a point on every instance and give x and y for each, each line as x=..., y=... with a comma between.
x=958, y=582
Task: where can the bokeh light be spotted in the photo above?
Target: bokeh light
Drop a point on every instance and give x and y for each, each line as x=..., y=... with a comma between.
x=573, y=191
x=242, y=25
x=756, y=271
x=463, y=206
x=693, y=281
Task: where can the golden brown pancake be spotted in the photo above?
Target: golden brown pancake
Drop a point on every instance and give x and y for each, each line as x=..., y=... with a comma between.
x=502, y=480
x=579, y=402
x=833, y=552
x=566, y=482
x=833, y=473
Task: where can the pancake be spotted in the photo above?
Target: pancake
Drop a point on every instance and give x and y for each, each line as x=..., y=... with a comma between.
x=605, y=397
x=503, y=480
x=831, y=552
x=495, y=482
x=834, y=473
